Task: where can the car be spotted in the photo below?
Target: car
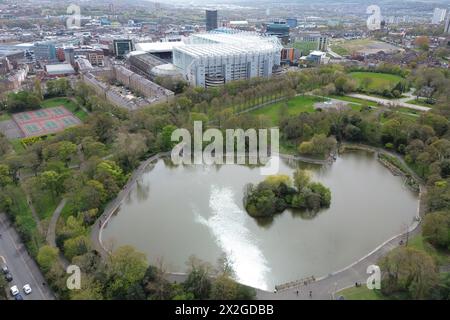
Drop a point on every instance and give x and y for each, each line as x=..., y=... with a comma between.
x=14, y=290
x=8, y=277
x=27, y=289
x=5, y=269
x=18, y=297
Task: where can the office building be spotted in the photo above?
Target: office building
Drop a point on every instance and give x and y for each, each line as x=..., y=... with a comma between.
x=279, y=29
x=447, y=25
x=308, y=42
x=44, y=51
x=291, y=22
x=121, y=47
x=211, y=20
x=69, y=55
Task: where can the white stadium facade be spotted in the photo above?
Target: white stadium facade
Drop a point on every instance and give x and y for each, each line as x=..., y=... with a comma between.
x=223, y=55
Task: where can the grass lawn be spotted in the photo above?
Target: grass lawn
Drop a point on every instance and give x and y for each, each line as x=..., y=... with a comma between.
x=25, y=221
x=378, y=80
x=17, y=145
x=296, y=106
x=418, y=242
x=360, y=293
x=420, y=102
x=66, y=102
x=340, y=50
x=45, y=205
x=5, y=116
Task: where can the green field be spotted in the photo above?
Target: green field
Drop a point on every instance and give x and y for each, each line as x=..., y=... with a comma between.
x=5, y=116
x=378, y=81
x=418, y=242
x=295, y=105
x=421, y=102
x=66, y=102
x=360, y=293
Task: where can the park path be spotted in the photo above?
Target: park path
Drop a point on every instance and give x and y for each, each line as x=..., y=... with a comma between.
x=390, y=102
x=34, y=213
x=51, y=232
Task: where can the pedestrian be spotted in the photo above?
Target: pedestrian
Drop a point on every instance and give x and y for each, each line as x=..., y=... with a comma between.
x=310, y=294
x=297, y=293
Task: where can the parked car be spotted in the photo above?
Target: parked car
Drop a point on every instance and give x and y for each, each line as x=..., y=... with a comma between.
x=14, y=290
x=18, y=297
x=27, y=289
x=5, y=269
x=8, y=277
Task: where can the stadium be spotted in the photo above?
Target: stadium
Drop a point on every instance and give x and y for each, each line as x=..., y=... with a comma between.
x=214, y=58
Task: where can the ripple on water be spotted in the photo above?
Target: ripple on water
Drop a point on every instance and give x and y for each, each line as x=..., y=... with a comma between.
x=227, y=225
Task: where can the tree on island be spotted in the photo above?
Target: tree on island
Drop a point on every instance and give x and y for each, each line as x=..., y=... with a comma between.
x=277, y=193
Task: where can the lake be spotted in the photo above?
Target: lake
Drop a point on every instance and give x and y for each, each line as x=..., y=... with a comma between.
x=178, y=211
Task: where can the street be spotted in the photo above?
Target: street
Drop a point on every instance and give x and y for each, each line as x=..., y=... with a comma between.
x=21, y=266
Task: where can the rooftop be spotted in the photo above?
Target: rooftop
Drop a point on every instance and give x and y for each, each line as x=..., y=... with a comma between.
x=60, y=68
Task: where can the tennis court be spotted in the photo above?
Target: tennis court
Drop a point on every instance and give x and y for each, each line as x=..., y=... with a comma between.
x=45, y=121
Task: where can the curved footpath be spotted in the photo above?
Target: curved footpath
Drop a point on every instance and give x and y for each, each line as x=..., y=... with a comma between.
x=323, y=288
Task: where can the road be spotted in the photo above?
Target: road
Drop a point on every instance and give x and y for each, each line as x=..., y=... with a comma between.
x=22, y=267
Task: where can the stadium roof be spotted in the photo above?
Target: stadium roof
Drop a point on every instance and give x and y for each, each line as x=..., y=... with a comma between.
x=229, y=43
x=153, y=47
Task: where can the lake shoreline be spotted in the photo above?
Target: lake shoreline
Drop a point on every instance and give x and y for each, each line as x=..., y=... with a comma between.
x=112, y=208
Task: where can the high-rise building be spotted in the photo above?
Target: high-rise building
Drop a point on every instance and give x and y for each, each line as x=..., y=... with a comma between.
x=211, y=20
x=447, y=25
x=122, y=47
x=45, y=51
x=438, y=15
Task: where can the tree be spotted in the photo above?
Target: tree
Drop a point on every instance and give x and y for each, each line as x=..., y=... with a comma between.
x=66, y=151
x=410, y=271
x=76, y=246
x=422, y=42
x=319, y=146
x=165, y=138
x=130, y=147
x=302, y=179
x=5, y=177
x=224, y=288
x=198, y=282
x=46, y=257
x=436, y=229
x=51, y=181
x=21, y=101
x=38, y=88
x=5, y=146
x=125, y=268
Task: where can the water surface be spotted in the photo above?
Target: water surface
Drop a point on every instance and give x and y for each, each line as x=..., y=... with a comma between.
x=178, y=211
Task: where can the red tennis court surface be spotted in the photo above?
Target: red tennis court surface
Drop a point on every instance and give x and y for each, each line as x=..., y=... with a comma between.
x=45, y=121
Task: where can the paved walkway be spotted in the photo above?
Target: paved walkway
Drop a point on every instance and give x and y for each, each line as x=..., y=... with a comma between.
x=390, y=102
x=34, y=214
x=51, y=232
